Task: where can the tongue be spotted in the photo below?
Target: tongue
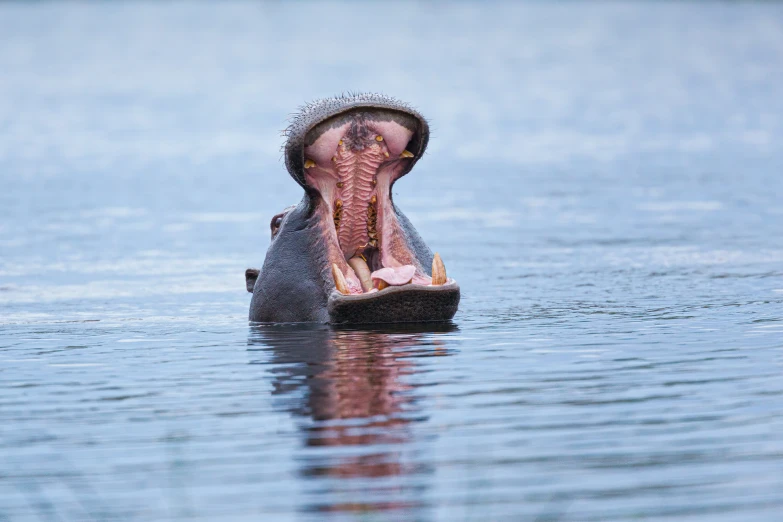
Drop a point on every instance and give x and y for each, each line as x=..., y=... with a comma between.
x=397, y=276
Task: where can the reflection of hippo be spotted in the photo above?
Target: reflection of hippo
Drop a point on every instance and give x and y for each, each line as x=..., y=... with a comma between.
x=352, y=385
x=345, y=253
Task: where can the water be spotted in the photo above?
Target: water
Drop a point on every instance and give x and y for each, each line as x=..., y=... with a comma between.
x=604, y=181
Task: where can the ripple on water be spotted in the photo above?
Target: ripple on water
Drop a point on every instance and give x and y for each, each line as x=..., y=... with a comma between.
x=601, y=181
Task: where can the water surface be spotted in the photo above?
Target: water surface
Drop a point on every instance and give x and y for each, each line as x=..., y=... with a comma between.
x=604, y=181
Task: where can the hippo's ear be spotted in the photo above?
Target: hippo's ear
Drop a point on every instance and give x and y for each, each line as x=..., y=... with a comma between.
x=277, y=220
x=251, y=274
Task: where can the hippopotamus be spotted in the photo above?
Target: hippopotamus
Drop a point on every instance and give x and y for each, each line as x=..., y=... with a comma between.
x=346, y=253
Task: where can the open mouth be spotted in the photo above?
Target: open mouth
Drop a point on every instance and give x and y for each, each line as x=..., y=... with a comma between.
x=352, y=160
x=346, y=254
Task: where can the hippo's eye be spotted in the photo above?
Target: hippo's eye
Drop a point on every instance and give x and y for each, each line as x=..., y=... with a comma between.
x=275, y=224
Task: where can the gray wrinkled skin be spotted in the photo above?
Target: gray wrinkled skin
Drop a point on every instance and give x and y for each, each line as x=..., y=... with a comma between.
x=292, y=286
x=295, y=283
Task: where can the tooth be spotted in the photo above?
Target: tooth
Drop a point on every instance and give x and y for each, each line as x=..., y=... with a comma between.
x=362, y=271
x=406, y=154
x=309, y=164
x=373, y=199
x=382, y=284
x=339, y=280
x=386, y=154
x=379, y=138
x=438, y=270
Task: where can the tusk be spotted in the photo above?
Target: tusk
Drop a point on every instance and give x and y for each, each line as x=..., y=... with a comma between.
x=339, y=280
x=438, y=270
x=362, y=271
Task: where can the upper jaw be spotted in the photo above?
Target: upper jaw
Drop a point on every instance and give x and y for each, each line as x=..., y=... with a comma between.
x=318, y=111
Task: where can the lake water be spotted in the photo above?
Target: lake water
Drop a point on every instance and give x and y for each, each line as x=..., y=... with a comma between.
x=604, y=181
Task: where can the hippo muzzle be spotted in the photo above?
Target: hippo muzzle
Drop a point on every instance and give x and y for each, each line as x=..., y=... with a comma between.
x=346, y=253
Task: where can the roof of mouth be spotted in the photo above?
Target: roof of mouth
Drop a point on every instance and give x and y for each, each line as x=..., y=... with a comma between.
x=317, y=111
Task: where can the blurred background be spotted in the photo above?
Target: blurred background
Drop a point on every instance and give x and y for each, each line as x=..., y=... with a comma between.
x=603, y=180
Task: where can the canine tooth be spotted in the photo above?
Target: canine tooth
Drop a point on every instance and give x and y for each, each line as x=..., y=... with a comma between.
x=339, y=280
x=386, y=154
x=438, y=270
x=406, y=154
x=362, y=271
x=309, y=164
x=379, y=138
x=382, y=284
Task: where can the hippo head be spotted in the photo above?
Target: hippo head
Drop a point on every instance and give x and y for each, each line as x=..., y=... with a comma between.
x=345, y=253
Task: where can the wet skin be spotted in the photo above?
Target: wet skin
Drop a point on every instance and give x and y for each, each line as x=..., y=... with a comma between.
x=346, y=253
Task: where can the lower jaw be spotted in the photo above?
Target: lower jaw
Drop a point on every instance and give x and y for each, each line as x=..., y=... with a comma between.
x=396, y=304
x=423, y=298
